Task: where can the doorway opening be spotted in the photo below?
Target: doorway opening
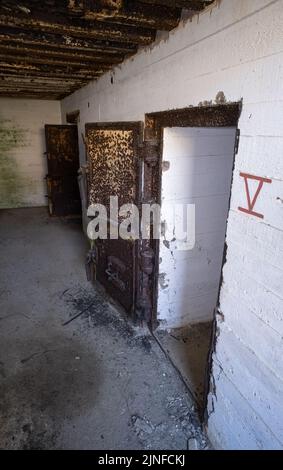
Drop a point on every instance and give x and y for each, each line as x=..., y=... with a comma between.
x=196, y=160
x=197, y=171
x=73, y=117
x=63, y=164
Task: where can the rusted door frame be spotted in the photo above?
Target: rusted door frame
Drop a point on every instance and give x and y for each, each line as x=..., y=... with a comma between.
x=224, y=115
x=137, y=128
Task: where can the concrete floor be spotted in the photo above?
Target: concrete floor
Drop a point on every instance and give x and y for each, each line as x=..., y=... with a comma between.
x=95, y=383
x=188, y=349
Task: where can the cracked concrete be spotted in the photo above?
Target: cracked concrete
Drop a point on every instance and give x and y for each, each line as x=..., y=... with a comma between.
x=94, y=383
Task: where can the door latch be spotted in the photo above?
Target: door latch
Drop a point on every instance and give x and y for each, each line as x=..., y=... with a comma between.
x=113, y=275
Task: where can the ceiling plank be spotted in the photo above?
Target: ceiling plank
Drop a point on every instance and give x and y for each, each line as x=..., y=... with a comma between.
x=50, y=69
x=22, y=89
x=194, y=5
x=38, y=38
x=28, y=81
x=26, y=60
x=21, y=79
x=36, y=52
x=123, y=12
x=49, y=49
x=89, y=30
x=6, y=69
x=132, y=13
x=32, y=96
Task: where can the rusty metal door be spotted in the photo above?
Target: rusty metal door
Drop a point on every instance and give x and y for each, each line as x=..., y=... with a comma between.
x=114, y=154
x=63, y=164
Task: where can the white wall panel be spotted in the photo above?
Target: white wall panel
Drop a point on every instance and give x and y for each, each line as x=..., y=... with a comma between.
x=200, y=171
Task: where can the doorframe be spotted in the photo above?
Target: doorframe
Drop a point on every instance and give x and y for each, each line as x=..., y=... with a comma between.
x=223, y=115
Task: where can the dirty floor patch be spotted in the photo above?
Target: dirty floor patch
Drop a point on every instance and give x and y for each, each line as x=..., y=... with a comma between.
x=188, y=349
x=92, y=383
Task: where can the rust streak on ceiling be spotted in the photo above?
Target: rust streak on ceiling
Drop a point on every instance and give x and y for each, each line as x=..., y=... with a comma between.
x=49, y=49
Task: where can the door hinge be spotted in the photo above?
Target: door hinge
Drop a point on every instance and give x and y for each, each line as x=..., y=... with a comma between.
x=150, y=147
x=237, y=141
x=144, y=304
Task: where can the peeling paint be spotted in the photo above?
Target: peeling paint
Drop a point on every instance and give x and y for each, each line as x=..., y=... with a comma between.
x=220, y=98
x=167, y=244
x=163, y=282
x=165, y=166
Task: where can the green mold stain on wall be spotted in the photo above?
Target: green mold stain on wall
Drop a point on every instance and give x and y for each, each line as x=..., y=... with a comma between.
x=12, y=184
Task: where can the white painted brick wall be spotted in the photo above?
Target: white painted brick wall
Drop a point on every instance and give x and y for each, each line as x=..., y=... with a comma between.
x=200, y=172
x=26, y=162
x=236, y=48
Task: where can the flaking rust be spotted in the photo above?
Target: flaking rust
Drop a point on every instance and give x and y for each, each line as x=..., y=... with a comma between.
x=112, y=158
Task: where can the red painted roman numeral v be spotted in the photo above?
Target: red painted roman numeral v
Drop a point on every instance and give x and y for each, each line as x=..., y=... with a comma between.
x=252, y=202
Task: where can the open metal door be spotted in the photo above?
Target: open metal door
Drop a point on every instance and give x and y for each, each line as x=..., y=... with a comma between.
x=63, y=163
x=114, y=154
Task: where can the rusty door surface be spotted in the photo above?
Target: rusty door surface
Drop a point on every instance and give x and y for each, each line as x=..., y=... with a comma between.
x=115, y=170
x=63, y=164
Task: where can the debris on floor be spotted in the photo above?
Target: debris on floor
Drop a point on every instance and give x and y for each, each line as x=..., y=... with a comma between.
x=93, y=383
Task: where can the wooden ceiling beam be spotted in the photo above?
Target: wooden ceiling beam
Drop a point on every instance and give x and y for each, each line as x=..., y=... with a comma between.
x=22, y=89
x=132, y=13
x=49, y=94
x=52, y=70
x=16, y=72
x=33, y=96
x=41, y=82
x=125, y=12
x=194, y=5
x=89, y=30
x=64, y=42
x=35, y=87
x=50, y=54
x=51, y=48
x=37, y=81
x=25, y=59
